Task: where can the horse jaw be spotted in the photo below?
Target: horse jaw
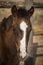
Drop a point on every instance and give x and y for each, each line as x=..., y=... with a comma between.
x=23, y=27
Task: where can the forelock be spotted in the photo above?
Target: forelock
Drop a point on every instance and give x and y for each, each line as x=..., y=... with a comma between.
x=22, y=12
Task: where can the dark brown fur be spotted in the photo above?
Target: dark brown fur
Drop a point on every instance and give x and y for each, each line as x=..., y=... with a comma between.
x=10, y=34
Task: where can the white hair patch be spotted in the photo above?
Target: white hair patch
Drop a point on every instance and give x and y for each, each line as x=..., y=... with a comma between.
x=23, y=27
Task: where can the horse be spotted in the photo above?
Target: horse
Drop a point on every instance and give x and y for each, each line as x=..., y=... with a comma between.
x=14, y=30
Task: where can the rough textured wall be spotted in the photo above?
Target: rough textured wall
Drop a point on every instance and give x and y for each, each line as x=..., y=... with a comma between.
x=13, y=0
x=38, y=21
x=4, y=12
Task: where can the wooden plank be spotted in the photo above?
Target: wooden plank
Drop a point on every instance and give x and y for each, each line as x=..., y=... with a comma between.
x=9, y=4
x=38, y=39
x=39, y=61
x=28, y=3
x=38, y=21
x=4, y=12
x=37, y=5
x=40, y=51
x=38, y=1
x=13, y=0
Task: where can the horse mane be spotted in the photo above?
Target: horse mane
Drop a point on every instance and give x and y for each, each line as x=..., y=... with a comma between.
x=6, y=22
x=22, y=12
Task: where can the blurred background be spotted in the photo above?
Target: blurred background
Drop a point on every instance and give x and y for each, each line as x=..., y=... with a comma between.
x=36, y=20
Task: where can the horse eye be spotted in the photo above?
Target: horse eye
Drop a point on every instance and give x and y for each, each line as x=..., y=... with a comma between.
x=18, y=32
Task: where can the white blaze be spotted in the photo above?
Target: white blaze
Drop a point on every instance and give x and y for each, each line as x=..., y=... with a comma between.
x=23, y=27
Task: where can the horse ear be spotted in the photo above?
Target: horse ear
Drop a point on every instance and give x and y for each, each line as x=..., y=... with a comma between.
x=30, y=12
x=14, y=10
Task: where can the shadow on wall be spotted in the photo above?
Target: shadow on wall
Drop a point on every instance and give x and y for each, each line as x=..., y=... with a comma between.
x=31, y=60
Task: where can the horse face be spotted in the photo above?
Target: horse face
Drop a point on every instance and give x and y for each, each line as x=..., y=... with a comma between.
x=23, y=27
